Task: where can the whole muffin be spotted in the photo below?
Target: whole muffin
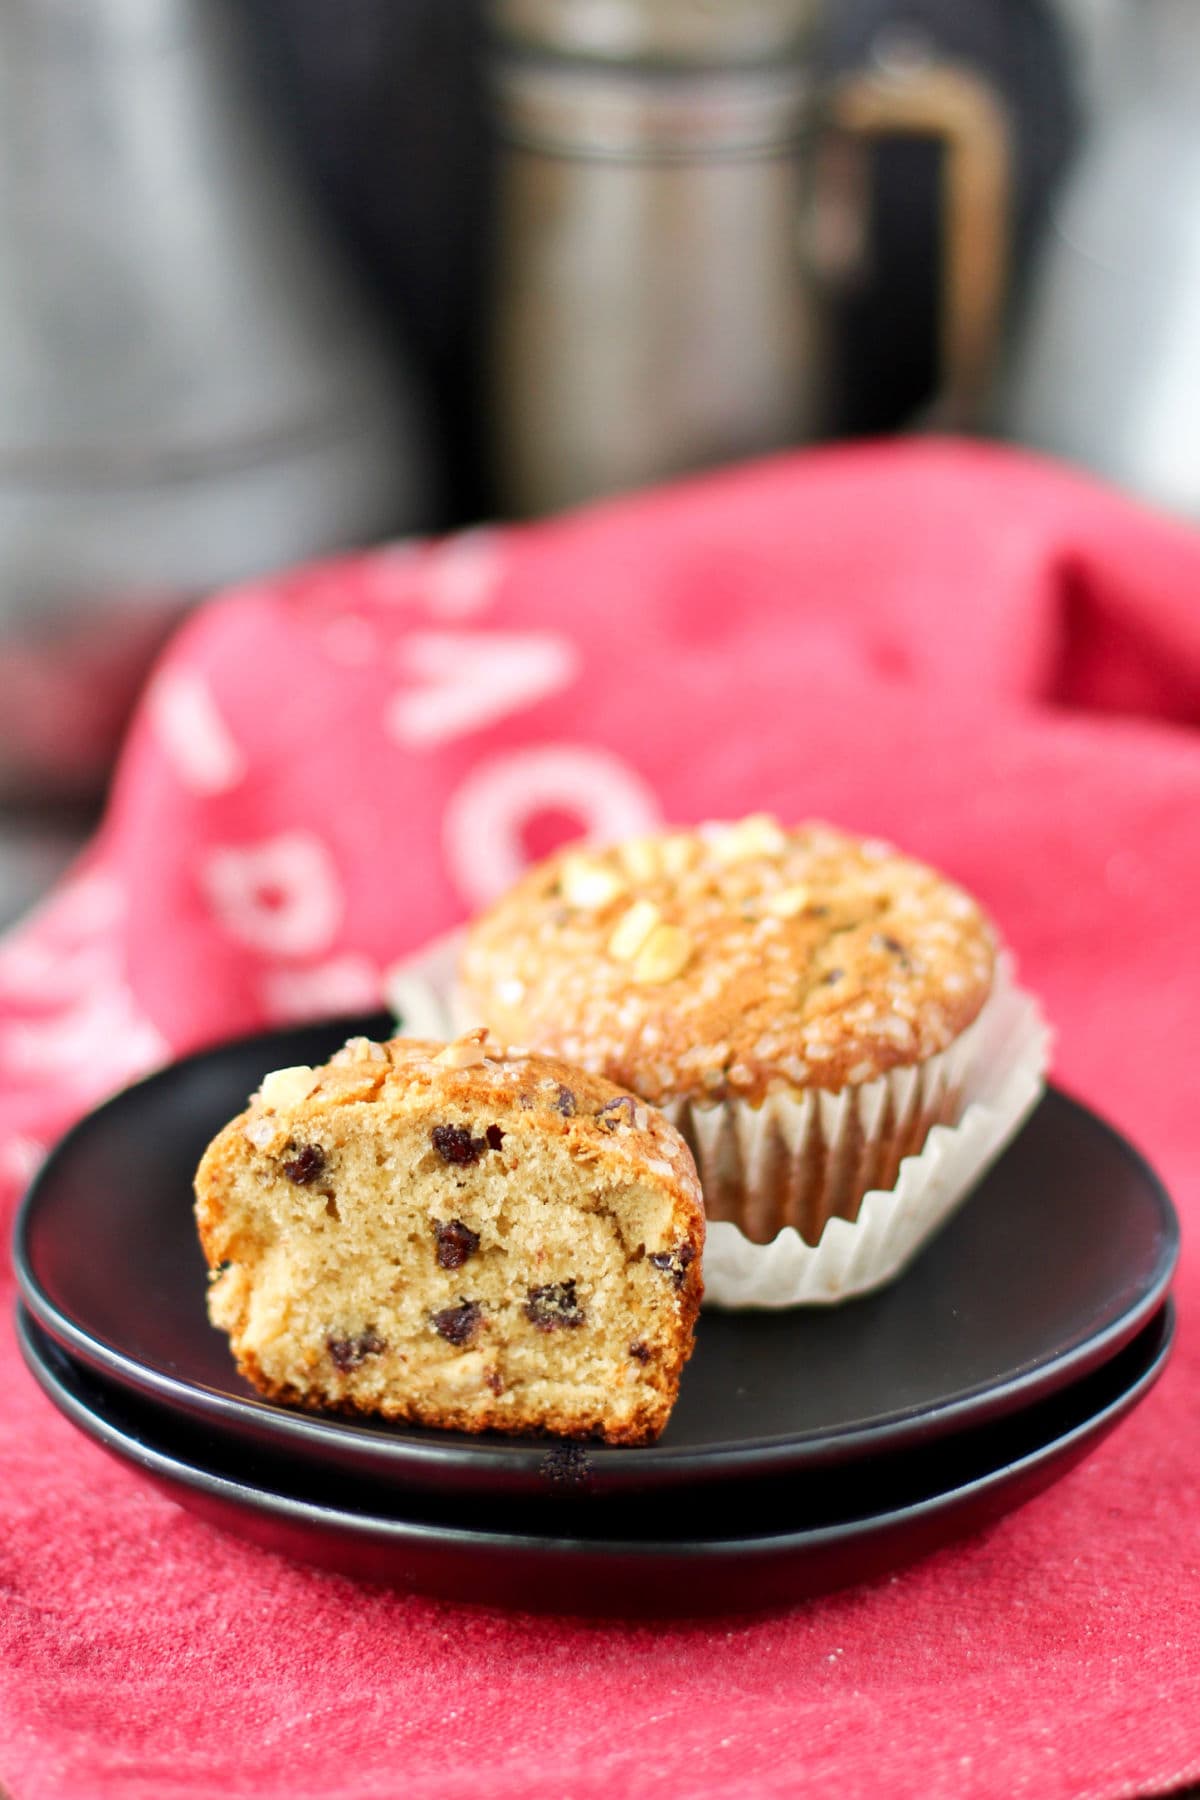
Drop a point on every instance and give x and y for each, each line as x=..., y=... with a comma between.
x=459, y=1235
x=799, y=1002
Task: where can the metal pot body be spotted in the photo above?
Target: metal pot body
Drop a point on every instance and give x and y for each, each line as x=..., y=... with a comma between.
x=189, y=391
x=654, y=312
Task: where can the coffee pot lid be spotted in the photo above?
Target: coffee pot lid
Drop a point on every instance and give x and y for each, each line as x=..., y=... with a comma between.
x=659, y=31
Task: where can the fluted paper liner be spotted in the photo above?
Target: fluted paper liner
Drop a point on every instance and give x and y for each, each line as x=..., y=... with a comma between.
x=989, y=1079
x=806, y=1155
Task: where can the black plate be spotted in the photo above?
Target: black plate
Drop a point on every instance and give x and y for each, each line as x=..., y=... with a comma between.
x=1056, y=1262
x=898, y=1514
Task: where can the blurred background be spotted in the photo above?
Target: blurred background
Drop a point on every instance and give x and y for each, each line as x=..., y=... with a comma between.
x=279, y=277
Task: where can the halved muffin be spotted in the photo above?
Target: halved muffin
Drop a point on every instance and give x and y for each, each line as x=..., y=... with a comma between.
x=458, y=1235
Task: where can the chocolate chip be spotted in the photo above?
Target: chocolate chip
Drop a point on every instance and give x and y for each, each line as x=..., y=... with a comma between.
x=675, y=1263
x=554, y=1306
x=641, y=1352
x=564, y=1100
x=454, y=1144
x=306, y=1165
x=494, y=1136
x=833, y=975
x=352, y=1352
x=622, y=1111
x=458, y=1324
x=455, y=1242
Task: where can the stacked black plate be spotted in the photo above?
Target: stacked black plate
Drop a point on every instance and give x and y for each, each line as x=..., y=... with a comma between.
x=808, y=1449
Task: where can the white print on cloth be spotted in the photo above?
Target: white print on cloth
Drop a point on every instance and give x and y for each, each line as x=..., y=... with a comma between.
x=469, y=679
x=464, y=572
x=454, y=579
x=32, y=969
x=487, y=817
x=282, y=896
x=97, y=1041
x=349, y=983
x=64, y=948
x=195, y=738
x=88, y=1033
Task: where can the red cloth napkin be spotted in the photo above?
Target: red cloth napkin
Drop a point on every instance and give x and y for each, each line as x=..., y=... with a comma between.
x=987, y=659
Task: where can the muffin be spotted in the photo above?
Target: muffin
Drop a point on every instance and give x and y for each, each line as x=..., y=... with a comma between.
x=457, y=1235
x=803, y=1004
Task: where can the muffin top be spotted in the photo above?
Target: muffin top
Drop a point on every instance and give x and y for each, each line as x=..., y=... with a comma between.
x=474, y=1078
x=733, y=960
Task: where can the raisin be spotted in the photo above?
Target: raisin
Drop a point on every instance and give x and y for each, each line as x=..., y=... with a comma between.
x=351, y=1353
x=455, y=1242
x=832, y=976
x=458, y=1324
x=495, y=1381
x=892, y=945
x=494, y=1136
x=675, y=1263
x=454, y=1144
x=564, y=1100
x=554, y=1306
x=622, y=1111
x=306, y=1165
x=641, y=1352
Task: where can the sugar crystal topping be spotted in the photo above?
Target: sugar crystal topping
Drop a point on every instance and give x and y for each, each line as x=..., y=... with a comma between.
x=789, y=957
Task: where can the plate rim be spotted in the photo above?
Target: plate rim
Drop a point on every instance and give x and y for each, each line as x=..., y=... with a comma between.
x=366, y=1526
x=613, y=1464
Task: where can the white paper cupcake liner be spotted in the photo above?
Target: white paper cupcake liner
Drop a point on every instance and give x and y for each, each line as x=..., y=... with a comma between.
x=995, y=1072
x=989, y=1079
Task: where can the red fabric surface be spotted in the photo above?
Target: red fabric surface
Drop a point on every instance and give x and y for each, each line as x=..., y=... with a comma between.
x=987, y=659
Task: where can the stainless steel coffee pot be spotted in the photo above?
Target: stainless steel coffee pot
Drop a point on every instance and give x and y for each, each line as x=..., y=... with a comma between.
x=1106, y=370
x=676, y=200
x=189, y=392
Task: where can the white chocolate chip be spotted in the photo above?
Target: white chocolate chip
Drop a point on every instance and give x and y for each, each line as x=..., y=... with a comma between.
x=285, y=1088
x=679, y=854
x=588, y=884
x=759, y=835
x=359, y=1049
x=466, y=1052
x=665, y=954
x=634, y=928
x=789, y=902
x=641, y=857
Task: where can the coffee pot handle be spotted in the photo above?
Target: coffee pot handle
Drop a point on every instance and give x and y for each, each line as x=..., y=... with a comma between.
x=947, y=102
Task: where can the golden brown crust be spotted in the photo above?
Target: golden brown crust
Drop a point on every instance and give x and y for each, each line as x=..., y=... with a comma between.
x=732, y=961
x=586, y=1108
x=368, y=1097
x=645, y=1426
